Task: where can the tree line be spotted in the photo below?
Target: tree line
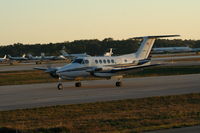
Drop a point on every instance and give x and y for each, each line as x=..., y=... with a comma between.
x=92, y=47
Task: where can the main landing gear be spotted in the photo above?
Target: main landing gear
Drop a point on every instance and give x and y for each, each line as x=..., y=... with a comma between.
x=60, y=85
x=118, y=83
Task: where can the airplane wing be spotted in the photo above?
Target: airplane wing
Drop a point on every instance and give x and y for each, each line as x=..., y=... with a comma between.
x=50, y=70
x=40, y=68
x=119, y=68
x=47, y=69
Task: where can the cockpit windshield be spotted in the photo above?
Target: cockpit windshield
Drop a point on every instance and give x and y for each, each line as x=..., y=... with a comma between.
x=79, y=61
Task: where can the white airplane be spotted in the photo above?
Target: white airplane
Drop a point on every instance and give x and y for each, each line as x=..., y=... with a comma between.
x=172, y=49
x=30, y=57
x=23, y=58
x=106, y=66
x=73, y=56
x=43, y=57
x=3, y=59
x=110, y=53
x=175, y=49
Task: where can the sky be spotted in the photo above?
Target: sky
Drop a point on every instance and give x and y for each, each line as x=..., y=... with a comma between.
x=45, y=21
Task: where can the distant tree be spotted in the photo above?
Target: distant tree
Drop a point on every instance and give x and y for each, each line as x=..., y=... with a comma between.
x=92, y=47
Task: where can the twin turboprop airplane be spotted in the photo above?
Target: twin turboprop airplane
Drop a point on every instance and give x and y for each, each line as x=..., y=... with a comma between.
x=106, y=66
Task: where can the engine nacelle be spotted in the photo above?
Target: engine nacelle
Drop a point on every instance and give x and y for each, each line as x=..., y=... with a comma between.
x=103, y=69
x=104, y=75
x=54, y=75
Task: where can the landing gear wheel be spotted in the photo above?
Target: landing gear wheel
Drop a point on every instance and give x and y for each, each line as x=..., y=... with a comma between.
x=78, y=84
x=118, y=84
x=60, y=86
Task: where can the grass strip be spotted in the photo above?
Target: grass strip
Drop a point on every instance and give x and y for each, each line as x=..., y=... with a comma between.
x=24, y=77
x=132, y=115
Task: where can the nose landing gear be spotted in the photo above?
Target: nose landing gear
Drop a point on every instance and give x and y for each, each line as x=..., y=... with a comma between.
x=118, y=84
x=60, y=85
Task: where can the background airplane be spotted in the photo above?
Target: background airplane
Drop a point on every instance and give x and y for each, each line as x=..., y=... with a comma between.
x=3, y=59
x=23, y=58
x=72, y=56
x=171, y=49
x=106, y=66
x=43, y=57
x=174, y=49
x=30, y=57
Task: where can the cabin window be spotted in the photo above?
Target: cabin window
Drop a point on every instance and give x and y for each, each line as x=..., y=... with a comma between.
x=100, y=61
x=86, y=61
x=96, y=61
x=108, y=61
x=104, y=61
x=125, y=60
x=112, y=61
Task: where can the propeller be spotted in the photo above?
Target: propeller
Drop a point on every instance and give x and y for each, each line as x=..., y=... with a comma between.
x=52, y=71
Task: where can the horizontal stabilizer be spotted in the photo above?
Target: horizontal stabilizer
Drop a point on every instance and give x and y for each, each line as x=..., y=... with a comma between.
x=161, y=36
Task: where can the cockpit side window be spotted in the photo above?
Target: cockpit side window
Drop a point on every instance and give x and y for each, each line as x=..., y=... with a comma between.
x=79, y=61
x=86, y=61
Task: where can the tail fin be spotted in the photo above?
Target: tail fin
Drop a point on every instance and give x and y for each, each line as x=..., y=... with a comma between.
x=42, y=55
x=147, y=44
x=64, y=53
x=24, y=55
x=5, y=57
x=9, y=56
x=30, y=56
x=109, y=53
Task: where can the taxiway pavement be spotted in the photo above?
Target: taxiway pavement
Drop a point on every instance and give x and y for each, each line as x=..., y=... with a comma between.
x=46, y=94
x=194, y=129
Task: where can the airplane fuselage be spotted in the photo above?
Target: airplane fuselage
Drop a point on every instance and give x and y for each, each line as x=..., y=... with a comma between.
x=98, y=66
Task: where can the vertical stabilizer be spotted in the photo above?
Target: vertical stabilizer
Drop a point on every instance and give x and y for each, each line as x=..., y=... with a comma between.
x=145, y=48
x=24, y=55
x=64, y=53
x=4, y=57
x=42, y=55
x=109, y=53
x=147, y=44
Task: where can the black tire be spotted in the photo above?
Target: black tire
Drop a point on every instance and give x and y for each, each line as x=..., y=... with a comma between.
x=118, y=84
x=78, y=84
x=60, y=86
